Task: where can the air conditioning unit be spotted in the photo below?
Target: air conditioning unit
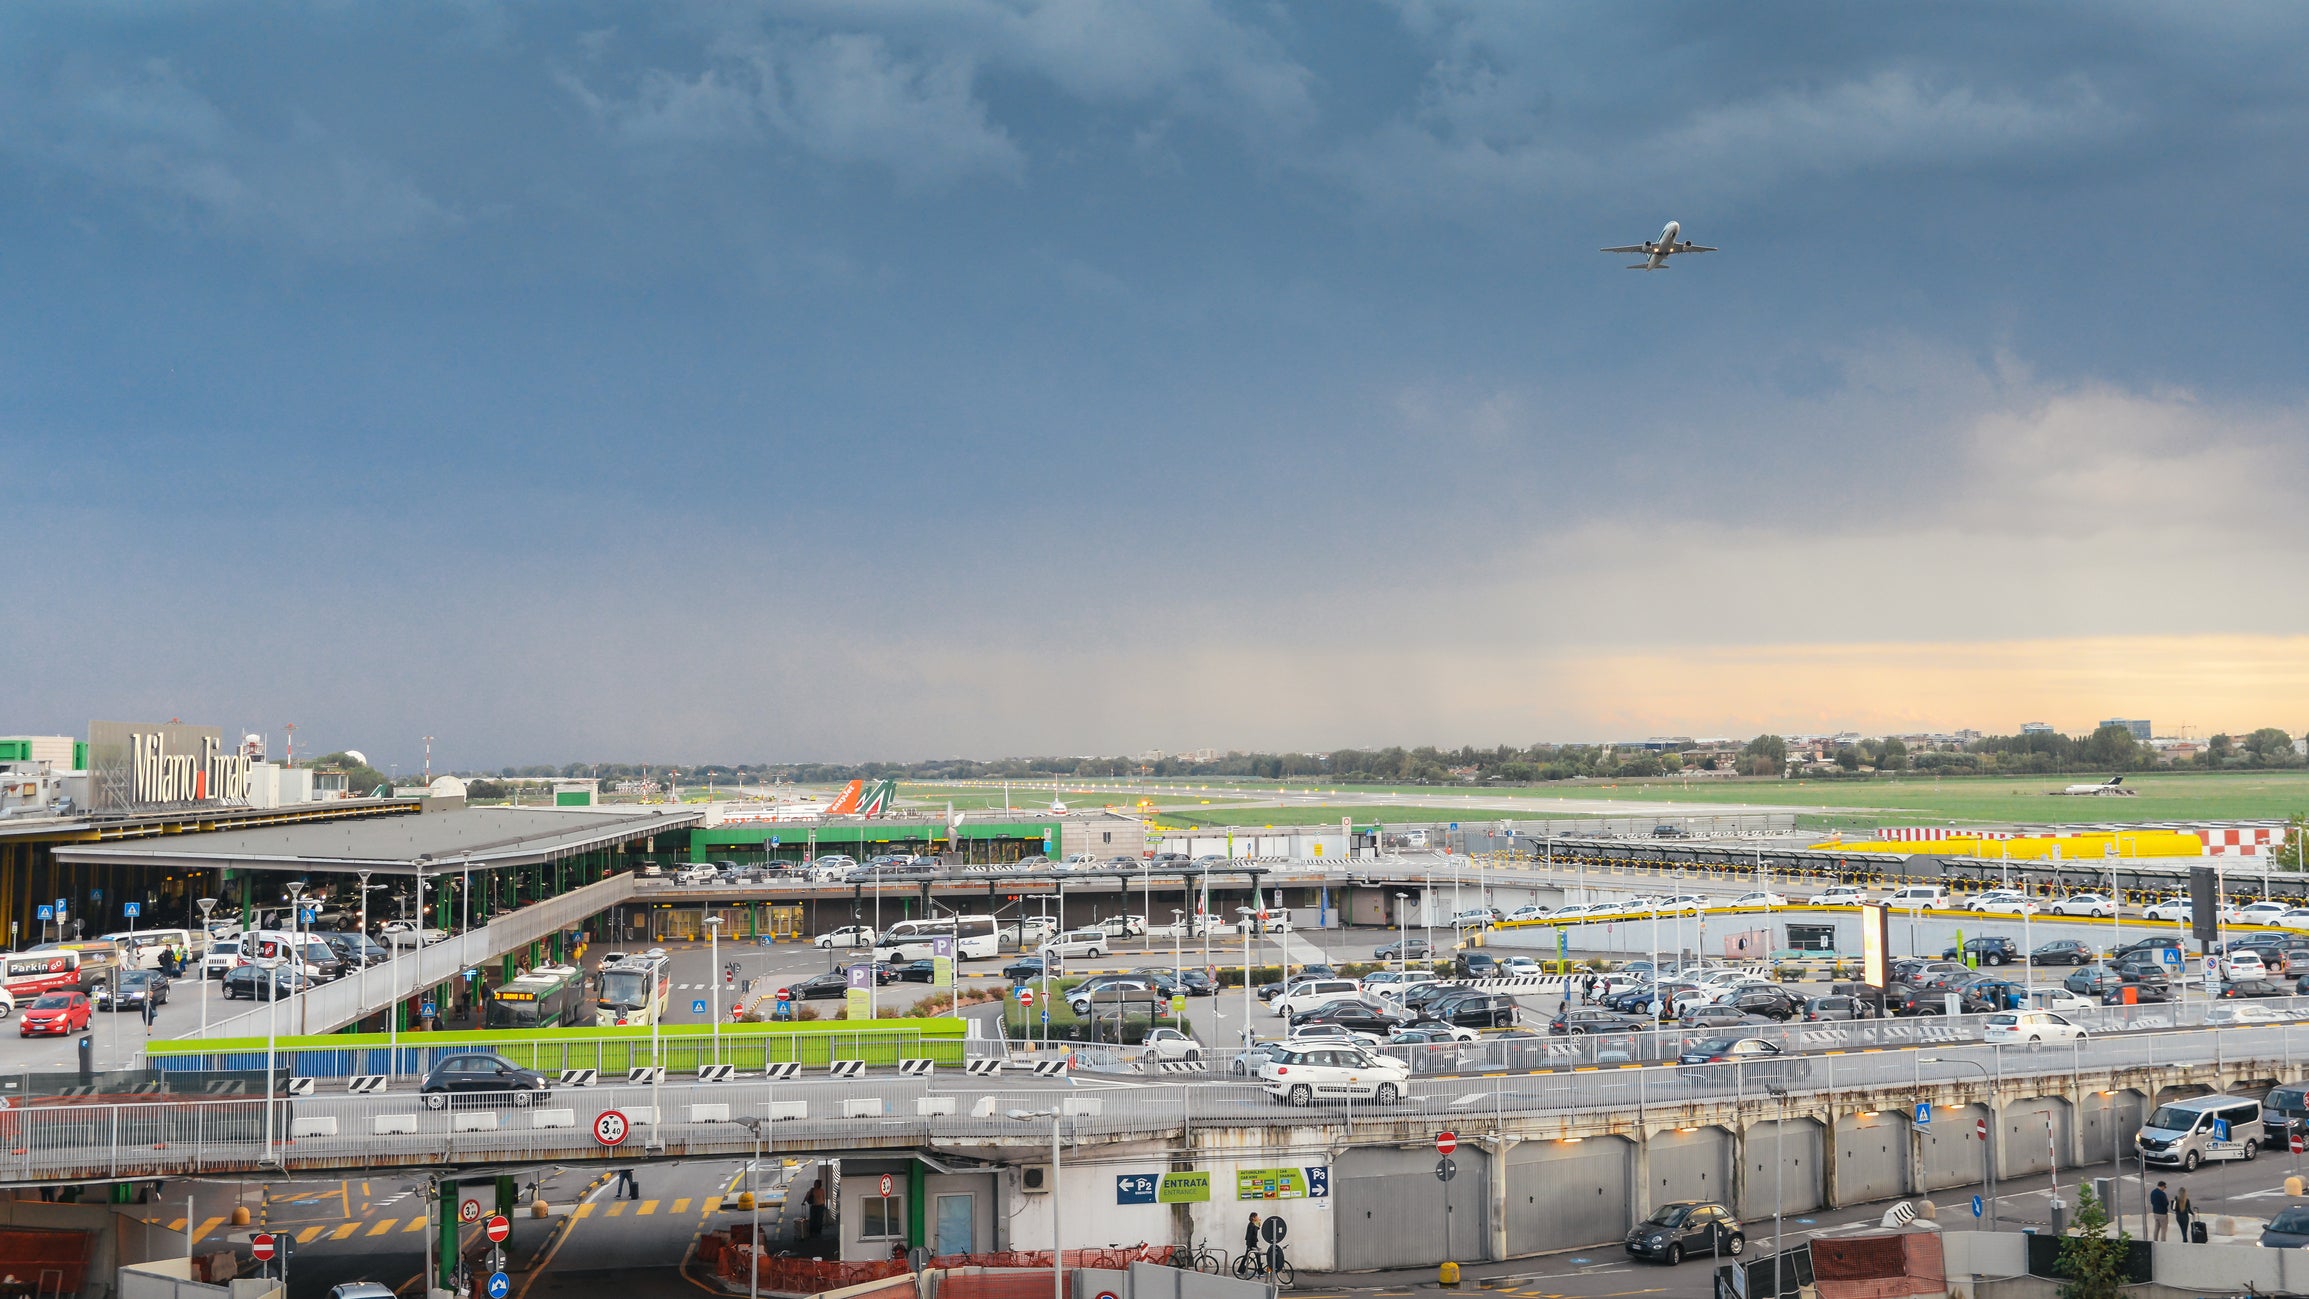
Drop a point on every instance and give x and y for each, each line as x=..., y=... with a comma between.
x=1036, y=1179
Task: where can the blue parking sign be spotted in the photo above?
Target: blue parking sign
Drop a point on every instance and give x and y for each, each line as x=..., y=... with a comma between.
x=698, y=1007
x=1134, y=1188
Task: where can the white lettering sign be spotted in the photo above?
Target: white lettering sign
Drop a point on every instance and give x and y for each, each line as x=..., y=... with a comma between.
x=211, y=775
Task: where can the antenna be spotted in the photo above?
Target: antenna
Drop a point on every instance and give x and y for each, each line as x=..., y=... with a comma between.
x=292, y=757
x=428, y=762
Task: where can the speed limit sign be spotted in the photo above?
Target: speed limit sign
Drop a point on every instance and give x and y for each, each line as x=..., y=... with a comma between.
x=610, y=1128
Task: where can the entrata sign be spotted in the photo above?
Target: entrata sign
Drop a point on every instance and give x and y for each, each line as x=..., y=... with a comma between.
x=1446, y=1142
x=135, y=765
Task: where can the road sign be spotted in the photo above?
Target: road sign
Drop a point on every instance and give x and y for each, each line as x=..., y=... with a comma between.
x=498, y=1228
x=499, y=1286
x=1923, y=1114
x=785, y=994
x=1026, y=996
x=2171, y=955
x=1446, y=1142
x=2294, y=1142
x=1046, y=1019
x=426, y=1009
x=610, y=1128
x=889, y=1185
x=1976, y=1206
x=44, y=912
x=1274, y=1229
x=1980, y=1129
x=469, y=1211
x=261, y=1247
x=1445, y=1170
x=698, y=1006
x=132, y=909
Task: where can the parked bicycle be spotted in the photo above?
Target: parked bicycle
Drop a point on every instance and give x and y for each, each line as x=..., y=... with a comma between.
x=1199, y=1258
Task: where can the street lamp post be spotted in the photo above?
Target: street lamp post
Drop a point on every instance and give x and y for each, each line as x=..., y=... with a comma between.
x=1057, y=1168
x=714, y=978
x=1403, y=934
x=1988, y=1153
x=1250, y=918
x=362, y=980
x=206, y=905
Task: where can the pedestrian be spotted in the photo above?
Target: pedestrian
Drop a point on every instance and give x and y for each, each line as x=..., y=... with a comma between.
x=1251, y=1243
x=816, y=1199
x=2160, y=1204
x=2184, y=1213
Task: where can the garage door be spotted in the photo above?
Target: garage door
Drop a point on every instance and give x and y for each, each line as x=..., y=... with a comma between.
x=1953, y=1153
x=1565, y=1194
x=2109, y=1123
x=1782, y=1163
x=1691, y=1166
x=2033, y=1130
x=1871, y=1157
x=1391, y=1210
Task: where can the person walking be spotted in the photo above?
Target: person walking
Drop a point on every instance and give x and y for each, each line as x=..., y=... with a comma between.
x=1251, y=1244
x=2184, y=1213
x=2160, y=1204
x=816, y=1199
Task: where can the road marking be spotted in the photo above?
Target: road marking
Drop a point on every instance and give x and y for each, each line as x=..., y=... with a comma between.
x=680, y=1206
x=206, y=1227
x=713, y=1202
x=383, y=1227
x=309, y=1235
x=415, y=1224
x=616, y=1208
x=583, y=1211
x=647, y=1208
x=364, y=1190
x=176, y=1225
x=344, y=1231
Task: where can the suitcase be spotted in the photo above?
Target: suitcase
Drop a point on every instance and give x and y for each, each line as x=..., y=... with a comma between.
x=2197, y=1233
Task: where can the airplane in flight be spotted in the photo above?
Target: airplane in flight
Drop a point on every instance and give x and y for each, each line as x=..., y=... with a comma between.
x=1657, y=253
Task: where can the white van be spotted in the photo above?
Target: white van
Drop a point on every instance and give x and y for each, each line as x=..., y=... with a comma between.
x=310, y=954
x=141, y=949
x=2201, y=1129
x=1918, y=895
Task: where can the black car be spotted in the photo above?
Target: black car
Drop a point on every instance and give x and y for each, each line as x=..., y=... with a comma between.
x=1770, y=1003
x=832, y=983
x=1576, y=1022
x=1405, y=949
x=2252, y=988
x=1475, y=1010
x=250, y=981
x=1986, y=951
x=917, y=971
x=1984, y=995
x=1678, y=1231
x=357, y=950
x=1719, y=1016
x=2154, y=947
x=1475, y=965
x=481, y=1078
x=2061, y=951
x=136, y=988
x=1026, y=969
x=1838, y=1006
x=1197, y=983
x=1359, y=1016
x=2143, y=990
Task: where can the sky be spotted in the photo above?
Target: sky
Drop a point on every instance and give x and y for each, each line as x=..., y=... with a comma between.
x=913, y=378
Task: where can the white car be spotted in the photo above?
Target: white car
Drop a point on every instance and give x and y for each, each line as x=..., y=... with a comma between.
x=2004, y=902
x=848, y=936
x=1571, y=912
x=2082, y=904
x=2028, y=1028
x=1479, y=918
x=2262, y=913
x=223, y=955
x=1394, y=985
x=2241, y=965
x=404, y=933
x=1519, y=967
x=2173, y=911
x=1759, y=899
x=2297, y=918
x=2059, y=999
x=1308, y=1034
x=1683, y=903
x=1533, y=912
x=1081, y=942
x=1170, y=1044
x=1301, y=1073
x=2241, y=1013
x=1839, y=895
x=1306, y=994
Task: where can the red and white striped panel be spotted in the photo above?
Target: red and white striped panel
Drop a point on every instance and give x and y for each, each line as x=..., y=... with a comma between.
x=2241, y=840
x=1934, y=833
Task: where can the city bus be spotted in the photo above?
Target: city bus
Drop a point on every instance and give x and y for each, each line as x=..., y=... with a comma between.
x=549, y=996
x=909, y=940
x=634, y=990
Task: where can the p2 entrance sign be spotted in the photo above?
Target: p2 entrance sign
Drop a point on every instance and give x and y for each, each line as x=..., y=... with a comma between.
x=1162, y=1188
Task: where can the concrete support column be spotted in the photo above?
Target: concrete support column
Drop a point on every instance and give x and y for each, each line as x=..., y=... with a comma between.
x=1495, y=1198
x=1640, y=1169
x=1995, y=1154
x=1736, y=1193
x=1915, y=1158
x=1828, y=1159
x=2076, y=1126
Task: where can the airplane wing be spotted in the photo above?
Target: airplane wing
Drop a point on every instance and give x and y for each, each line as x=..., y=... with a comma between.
x=1631, y=248
x=1694, y=248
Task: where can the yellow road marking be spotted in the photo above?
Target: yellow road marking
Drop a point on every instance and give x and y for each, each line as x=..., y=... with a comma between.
x=176, y=1224
x=344, y=1231
x=364, y=1190
x=616, y=1207
x=415, y=1224
x=206, y=1227
x=681, y=1205
x=583, y=1211
x=713, y=1202
x=385, y=1226
x=647, y=1208
x=309, y=1235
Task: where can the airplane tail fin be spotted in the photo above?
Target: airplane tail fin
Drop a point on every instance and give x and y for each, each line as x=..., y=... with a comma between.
x=2115, y=781
x=878, y=800
x=848, y=802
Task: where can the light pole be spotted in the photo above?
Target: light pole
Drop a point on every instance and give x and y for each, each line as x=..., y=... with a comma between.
x=363, y=982
x=1057, y=1167
x=1250, y=918
x=206, y=905
x=714, y=978
x=1987, y=1154
x=271, y=967
x=754, y=1203
x=1403, y=934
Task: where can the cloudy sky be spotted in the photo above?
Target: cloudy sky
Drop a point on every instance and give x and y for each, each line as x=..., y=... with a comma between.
x=777, y=381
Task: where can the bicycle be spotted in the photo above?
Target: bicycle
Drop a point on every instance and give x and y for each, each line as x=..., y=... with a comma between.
x=1267, y=1263
x=1199, y=1258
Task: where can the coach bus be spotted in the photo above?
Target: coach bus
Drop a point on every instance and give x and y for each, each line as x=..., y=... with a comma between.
x=909, y=940
x=549, y=996
x=634, y=990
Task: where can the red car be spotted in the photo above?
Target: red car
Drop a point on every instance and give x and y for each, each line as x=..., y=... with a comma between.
x=55, y=1012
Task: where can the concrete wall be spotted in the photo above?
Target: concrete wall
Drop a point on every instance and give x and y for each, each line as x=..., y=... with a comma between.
x=2033, y=1134
x=1786, y=1164
x=1562, y=1194
x=1871, y=1157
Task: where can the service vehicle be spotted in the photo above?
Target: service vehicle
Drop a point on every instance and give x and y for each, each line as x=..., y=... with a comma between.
x=1079, y=942
x=974, y=939
x=635, y=990
x=1302, y=1073
x=2200, y=1130
x=2030, y=1028
x=549, y=996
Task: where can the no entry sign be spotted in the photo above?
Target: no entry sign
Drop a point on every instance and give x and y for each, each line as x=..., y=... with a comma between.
x=1446, y=1142
x=261, y=1247
x=1026, y=996
x=498, y=1229
x=1980, y=1129
x=610, y=1128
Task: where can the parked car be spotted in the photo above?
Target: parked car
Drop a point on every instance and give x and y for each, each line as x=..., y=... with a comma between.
x=2003, y=902
x=1475, y=965
x=2061, y=951
x=1838, y=895
x=2082, y=904
x=1248, y=1060
x=1476, y=918
x=922, y=971
x=1358, y=1016
x=1760, y=898
x=1026, y=969
x=1405, y=949
x=830, y=983
x=480, y=1078
x=1770, y=1001
x=1303, y=1074
x=1710, y=1017
x=1686, y=1229
x=2060, y=999
x=848, y=936
x=1306, y=994
x=1576, y=1022
x=1170, y=1044
x=264, y=983
x=1198, y=983
x=1838, y=1006
x=2029, y=1028
x=2172, y=911
x=1475, y=1010
x=2253, y=988
x=1080, y=942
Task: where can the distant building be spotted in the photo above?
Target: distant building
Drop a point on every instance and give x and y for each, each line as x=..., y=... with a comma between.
x=2036, y=728
x=2137, y=727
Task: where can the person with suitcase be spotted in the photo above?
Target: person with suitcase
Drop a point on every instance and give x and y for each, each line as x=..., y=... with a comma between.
x=2184, y=1213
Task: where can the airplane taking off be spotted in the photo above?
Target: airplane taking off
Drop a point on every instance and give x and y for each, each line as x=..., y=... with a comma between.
x=2114, y=785
x=1656, y=254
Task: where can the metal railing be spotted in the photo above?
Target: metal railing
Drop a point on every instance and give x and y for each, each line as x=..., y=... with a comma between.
x=335, y=1004
x=82, y=1139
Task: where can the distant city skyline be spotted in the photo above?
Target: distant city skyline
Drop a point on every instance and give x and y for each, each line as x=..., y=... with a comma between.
x=998, y=376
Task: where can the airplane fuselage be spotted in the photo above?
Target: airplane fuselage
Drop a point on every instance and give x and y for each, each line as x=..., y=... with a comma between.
x=1665, y=246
